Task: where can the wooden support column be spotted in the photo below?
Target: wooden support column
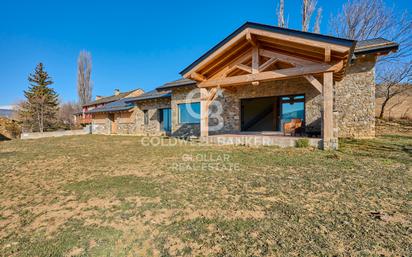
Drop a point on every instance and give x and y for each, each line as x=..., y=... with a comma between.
x=329, y=142
x=255, y=60
x=204, y=112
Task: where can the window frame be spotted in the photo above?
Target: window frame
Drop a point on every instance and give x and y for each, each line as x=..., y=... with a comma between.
x=146, y=117
x=180, y=115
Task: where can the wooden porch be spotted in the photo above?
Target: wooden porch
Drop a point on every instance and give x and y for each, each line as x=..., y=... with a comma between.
x=253, y=55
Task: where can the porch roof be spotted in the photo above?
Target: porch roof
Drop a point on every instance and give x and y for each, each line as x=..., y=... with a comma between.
x=283, y=31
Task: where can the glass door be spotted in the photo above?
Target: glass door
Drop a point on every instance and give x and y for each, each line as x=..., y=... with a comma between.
x=292, y=107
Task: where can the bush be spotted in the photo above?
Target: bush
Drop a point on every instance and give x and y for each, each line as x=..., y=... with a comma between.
x=302, y=143
x=9, y=129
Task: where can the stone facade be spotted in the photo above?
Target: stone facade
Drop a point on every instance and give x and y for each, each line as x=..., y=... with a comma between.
x=355, y=100
x=100, y=124
x=153, y=107
x=354, y=105
x=231, y=102
x=180, y=96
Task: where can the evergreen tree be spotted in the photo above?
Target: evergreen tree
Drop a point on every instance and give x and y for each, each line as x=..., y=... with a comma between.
x=39, y=111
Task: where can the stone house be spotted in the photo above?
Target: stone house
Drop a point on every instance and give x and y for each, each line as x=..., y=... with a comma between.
x=259, y=78
x=109, y=114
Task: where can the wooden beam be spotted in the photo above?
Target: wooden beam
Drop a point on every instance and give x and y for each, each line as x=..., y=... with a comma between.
x=212, y=95
x=250, y=39
x=266, y=65
x=327, y=114
x=244, y=67
x=234, y=53
x=255, y=60
x=315, y=83
x=300, y=40
x=229, y=68
x=269, y=75
x=327, y=54
x=239, y=37
x=204, y=113
x=286, y=58
x=198, y=77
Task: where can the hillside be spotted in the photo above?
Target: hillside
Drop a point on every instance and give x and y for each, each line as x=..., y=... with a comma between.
x=399, y=107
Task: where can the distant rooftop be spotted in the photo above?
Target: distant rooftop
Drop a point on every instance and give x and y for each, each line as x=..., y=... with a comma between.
x=154, y=94
x=178, y=83
x=119, y=105
x=109, y=99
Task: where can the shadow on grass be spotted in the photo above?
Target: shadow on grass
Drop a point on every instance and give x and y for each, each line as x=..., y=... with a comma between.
x=393, y=147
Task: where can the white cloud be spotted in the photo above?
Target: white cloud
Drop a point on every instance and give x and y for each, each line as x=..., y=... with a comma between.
x=7, y=107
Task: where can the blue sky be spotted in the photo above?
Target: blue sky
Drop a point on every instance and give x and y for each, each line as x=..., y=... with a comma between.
x=134, y=44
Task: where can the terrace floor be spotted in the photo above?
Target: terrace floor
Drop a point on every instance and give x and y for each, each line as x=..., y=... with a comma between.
x=265, y=138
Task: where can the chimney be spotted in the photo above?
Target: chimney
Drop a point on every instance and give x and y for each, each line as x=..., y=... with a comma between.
x=116, y=92
x=98, y=97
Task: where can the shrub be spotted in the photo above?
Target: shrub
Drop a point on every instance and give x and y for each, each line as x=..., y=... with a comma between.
x=302, y=143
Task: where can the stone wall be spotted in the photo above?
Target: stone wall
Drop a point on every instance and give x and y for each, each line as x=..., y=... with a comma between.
x=100, y=124
x=231, y=102
x=153, y=128
x=354, y=105
x=123, y=122
x=355, y=100
x=37, y=135
x=189, y=94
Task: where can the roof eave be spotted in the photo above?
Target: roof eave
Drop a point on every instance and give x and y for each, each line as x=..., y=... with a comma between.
x=308, y=35
x=382, y=49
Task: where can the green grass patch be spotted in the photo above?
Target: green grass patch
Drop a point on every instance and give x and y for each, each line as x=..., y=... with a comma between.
x=118, y=186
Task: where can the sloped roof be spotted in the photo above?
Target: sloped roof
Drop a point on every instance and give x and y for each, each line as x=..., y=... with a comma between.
x=288, y=32
x=375, y=45
x=109, y=99
x=178, y=83
x=120, y=105
x=154, y=94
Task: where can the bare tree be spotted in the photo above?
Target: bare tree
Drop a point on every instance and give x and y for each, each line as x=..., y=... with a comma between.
x=281, y=14
x=65, y=114
x=84, y=85
x=308, y=7
x=395, y=80
x=318, y=20
x=366, y=19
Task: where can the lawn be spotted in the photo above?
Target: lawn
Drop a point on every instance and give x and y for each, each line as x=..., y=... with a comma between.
x=120, y=196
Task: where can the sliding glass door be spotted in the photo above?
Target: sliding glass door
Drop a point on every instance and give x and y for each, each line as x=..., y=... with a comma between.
x=292, y=107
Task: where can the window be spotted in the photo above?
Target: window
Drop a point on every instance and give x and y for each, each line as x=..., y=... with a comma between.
x=189, y=113
x=146, y=117
x=292, y=107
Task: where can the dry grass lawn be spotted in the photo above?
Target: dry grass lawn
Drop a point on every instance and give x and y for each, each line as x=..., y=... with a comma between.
x=114, y=196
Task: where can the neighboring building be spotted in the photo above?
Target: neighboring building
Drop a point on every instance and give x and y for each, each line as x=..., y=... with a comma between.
x=259, y=78
x=85, y=118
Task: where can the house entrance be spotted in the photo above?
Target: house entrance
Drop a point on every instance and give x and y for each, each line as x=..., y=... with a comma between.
x=271, y=113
